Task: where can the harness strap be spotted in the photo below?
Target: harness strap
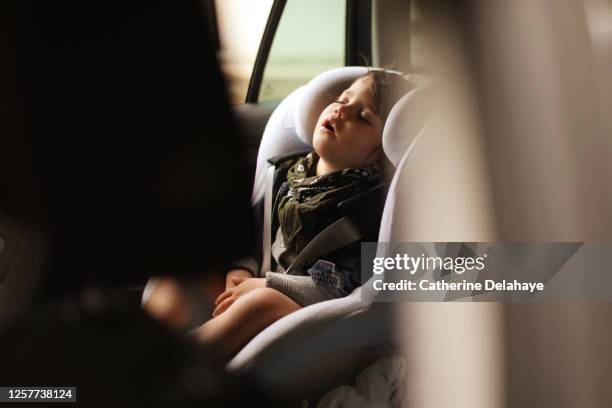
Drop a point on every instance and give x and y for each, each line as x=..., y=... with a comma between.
x=341, y=233
x=267, y=221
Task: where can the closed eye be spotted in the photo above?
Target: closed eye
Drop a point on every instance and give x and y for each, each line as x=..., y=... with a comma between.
x=361, y=116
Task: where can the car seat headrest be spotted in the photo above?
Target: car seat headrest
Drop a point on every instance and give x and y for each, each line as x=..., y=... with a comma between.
x=406, y=120
x=292, y=124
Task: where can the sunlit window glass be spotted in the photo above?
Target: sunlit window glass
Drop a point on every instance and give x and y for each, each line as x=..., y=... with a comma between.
x=241, y=25
x=310, y=39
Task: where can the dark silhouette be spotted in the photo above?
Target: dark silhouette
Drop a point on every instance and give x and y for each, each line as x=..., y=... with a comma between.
x=120, y=154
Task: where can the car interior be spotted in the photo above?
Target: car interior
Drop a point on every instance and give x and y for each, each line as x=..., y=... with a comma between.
x=504, y=136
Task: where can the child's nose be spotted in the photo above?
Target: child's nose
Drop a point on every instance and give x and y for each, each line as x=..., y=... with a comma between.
x=343, y=110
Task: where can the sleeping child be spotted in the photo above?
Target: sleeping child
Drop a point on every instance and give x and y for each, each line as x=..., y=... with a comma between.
x=340, y=177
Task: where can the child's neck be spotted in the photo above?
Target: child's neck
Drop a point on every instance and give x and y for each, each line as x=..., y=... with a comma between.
x=324, y=167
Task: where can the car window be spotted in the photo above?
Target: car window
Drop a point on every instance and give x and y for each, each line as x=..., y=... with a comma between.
x=241, y=24
x=310, y=39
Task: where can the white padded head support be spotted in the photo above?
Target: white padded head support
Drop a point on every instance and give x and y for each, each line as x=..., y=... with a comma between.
x=279, y=137
x=318, y=93
x=406, y=120
x=292, y=124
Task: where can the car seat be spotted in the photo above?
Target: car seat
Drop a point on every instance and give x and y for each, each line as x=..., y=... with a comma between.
x=328, y=343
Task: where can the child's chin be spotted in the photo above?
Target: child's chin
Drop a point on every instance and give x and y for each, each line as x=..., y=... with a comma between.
x=325, y=150
x=320, y=143
x=323, y=137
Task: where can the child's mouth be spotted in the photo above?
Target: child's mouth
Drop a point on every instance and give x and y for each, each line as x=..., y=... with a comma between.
x=329, y=126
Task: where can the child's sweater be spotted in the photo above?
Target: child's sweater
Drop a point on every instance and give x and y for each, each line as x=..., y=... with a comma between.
x=335, y=274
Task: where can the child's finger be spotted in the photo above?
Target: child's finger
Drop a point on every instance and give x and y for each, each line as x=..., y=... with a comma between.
x=223, y=306
x=229, y=283
x=239, y=279
x=222, y=296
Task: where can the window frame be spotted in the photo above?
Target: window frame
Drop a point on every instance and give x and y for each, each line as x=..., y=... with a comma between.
x=358, y=35
x=276, y=13
x=358, y=40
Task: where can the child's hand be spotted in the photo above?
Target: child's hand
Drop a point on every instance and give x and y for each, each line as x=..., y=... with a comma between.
x=235, y=273
x=243, y=285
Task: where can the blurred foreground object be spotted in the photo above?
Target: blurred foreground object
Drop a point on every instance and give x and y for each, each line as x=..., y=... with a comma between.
x=521, y=151
x=119, y=160
x=119, y=149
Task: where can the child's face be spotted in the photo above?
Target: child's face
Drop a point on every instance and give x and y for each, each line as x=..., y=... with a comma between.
x=349, y=130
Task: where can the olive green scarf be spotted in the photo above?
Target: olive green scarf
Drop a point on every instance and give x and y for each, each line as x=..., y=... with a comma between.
x=307, y=203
